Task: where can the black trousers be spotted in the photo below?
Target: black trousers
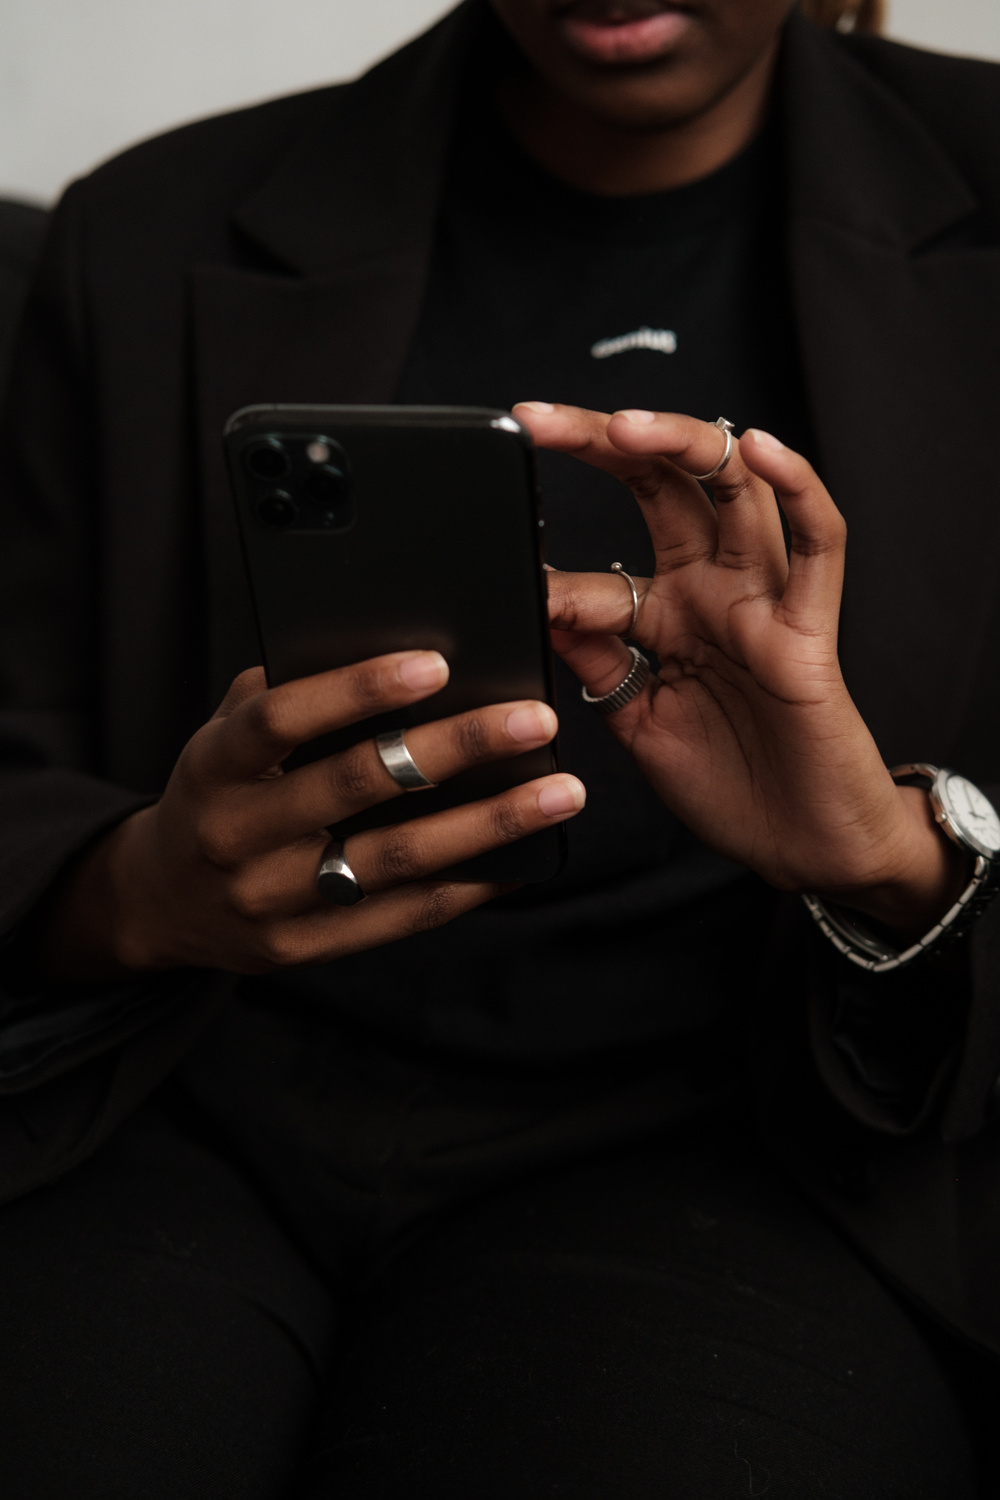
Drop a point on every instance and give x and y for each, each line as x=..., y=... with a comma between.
x=664, y=1319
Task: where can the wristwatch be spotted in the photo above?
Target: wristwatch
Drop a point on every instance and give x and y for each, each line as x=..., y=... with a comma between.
x=971, y=821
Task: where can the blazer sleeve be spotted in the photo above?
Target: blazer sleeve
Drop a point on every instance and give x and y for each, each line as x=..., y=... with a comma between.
x=52, y=802
x=72, y=1046
x=898, y=1049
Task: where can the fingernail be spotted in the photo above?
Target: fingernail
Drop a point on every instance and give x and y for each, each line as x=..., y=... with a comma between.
x=532, y=726
x=637, y=418
x=765, y=440
x=422, y=670
x=544, y=407
x=561, y=796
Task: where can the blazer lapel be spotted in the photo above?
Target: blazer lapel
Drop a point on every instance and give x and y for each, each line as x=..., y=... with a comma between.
x=347, y=216
x=883, y=276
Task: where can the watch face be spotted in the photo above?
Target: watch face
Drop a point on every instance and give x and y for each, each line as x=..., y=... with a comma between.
x=972, y=815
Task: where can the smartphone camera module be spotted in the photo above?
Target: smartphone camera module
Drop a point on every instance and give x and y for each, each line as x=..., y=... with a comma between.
x=278, y=511
x=325, y=487
x=298, y=481
x=267, y=459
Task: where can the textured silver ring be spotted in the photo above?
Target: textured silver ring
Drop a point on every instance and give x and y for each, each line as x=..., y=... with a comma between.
x=617, y=568
x=632, y=683
x=337, y=882
x=399, y=762
x=726, y=427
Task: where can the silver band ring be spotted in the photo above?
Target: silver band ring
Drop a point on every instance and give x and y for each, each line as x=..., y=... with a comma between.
x=337, y=882
x=399, y=762
x=631, y=684
x=727, y=428
x=617, y=568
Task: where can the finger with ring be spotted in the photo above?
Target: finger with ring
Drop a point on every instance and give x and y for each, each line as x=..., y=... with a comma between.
x=616, y=567
x=399, y=762
x=423, y=847
x=335, y=879
x=324, y=792
x=630, y=686
x=728, y=428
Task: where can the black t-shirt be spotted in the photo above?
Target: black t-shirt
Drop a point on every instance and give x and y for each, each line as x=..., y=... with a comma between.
x=674, y=301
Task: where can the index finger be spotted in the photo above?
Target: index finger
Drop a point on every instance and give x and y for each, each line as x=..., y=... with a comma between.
x=591, y=603
x=261, y=731
x=748, y=526
x=688, y=523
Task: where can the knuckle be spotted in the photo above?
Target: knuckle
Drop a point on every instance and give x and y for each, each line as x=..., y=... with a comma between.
x=644, y=484
x=506, y=821
x=368, y=689
x=279, y=947
x=189, y=776
x=245, y=684
x=830, y=541
x=193, y=767
x=397, y=858
x=570, y=608
x=352, y=775
x=215, y=838
x=437, y=906
x=473, y=737
x=736, y=486
x=268, y=719
x=249, y=900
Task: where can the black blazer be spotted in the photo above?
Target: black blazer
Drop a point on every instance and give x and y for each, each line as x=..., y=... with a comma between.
x=22, y=229
x=280, y=253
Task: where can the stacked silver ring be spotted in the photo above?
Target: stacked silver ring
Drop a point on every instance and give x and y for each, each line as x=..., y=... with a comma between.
x=630, y=686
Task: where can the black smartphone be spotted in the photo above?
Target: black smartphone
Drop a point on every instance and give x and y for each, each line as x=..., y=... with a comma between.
x=369, y=529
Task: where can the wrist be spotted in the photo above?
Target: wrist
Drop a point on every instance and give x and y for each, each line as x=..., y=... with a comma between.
x=95, y=926
x=927, y=873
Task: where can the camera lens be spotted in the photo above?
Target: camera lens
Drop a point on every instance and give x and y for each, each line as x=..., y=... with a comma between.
x=278, y=511
x=325, y=487
x=267, y=459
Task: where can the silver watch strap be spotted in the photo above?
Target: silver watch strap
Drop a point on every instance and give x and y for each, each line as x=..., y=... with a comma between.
x=878, y=956
x=849, y=936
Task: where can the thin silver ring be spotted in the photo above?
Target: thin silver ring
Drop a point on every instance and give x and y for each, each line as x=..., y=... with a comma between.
x=335, y=879
x=632, y=683
x=399, y=762
x=617, y=568
x=727, y=427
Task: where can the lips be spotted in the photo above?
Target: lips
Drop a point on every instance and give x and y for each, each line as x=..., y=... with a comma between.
x=623, y=31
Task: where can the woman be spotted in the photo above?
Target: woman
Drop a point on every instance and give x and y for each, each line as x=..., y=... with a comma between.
x=494, y=1209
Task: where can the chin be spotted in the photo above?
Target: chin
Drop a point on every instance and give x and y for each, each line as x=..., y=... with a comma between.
x=643, y=64
x=650, y=98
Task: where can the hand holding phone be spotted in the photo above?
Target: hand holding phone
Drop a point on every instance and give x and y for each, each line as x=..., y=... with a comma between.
x=221, y=872
x=374, y=529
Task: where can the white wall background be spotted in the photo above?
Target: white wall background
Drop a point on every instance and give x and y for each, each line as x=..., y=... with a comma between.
x=80, y=79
